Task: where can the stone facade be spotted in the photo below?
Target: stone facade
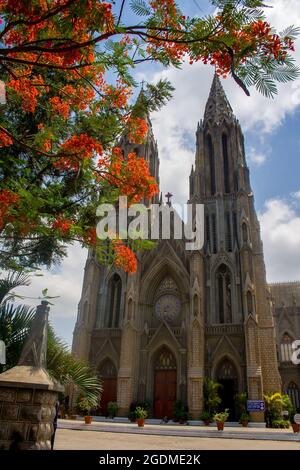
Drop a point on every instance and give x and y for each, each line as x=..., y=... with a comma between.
x=26, y=417
x=185, y=315
x=28, y=394
x=286, y=303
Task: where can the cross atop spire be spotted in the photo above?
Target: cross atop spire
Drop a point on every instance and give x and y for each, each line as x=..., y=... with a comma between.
x=217, y=107
x=169, y=196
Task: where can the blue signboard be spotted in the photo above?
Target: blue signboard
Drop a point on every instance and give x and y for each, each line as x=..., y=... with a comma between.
x=255, y=405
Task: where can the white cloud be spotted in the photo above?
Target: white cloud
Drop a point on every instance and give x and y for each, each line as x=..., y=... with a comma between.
x=175, y=125
x=256, y=157
x=296, y=195
x=280, y=228
x=64, y=281
x=174, y=129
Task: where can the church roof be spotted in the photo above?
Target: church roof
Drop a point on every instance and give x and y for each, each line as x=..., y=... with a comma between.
x=217, y=107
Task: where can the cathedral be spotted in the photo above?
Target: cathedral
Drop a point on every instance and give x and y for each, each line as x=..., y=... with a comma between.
x=185, y=315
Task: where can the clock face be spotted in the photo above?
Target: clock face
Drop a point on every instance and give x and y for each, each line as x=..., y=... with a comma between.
x=167, y=307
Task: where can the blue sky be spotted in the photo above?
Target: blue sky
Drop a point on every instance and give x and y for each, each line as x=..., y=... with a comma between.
x=272, y=138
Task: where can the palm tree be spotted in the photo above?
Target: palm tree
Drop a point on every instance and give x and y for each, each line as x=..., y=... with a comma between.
x=15, y=322
x=211, y=395
x=63, y=366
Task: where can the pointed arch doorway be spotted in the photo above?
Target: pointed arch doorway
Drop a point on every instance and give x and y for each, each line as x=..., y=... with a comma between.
x=108, y=375
x=165, y=383
x=227, y=376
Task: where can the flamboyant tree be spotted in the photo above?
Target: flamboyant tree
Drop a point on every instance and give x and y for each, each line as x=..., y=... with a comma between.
x=67, y=67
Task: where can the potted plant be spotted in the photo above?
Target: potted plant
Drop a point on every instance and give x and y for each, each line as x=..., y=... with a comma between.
x=221, y=418
x=112, y=409
x=141, y=414
x=206, y=417
x=85, y=404
x=295, y=426
x=244, y=419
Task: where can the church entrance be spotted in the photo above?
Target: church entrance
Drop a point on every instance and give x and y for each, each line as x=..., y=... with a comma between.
x=227, y=376
x=165, y=384
x=108, y=374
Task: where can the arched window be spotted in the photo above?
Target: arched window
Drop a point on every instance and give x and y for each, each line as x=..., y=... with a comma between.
x=286, y=348
x=250, y=308
x=224, y=286
x=293, y=392
x=165, y=360
x=226, y=370
x=228, y=235
x=225, y=164
x=207, y=230
x=211, y=161
x=113, y=302
x=245, y=233
x=85, y=313
x=107, y=369
x=214, y=233
x=130, y=309
x=196, y=305
x=152, y=165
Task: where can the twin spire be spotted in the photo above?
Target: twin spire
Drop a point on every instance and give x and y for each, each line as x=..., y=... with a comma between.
x=217, y=107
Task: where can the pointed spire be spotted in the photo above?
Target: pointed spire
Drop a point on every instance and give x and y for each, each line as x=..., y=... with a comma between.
x=161, y=199
x=217, y=107
x=34, y=352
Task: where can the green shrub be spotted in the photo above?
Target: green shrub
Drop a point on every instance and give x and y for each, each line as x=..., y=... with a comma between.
x=141, y=413
x=281, y=424
x=112, y=409
x=222, y=416
x=206, y=416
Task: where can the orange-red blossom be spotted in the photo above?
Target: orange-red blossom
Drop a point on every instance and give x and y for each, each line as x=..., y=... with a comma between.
x=8, y=201
x=124, y=258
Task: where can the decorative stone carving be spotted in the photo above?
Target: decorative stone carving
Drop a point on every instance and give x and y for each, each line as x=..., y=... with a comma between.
x=28, y=394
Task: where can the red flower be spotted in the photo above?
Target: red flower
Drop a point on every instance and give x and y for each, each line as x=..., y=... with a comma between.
x=124, y=257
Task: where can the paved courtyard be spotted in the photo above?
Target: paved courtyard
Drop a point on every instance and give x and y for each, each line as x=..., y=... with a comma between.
x=70, y=439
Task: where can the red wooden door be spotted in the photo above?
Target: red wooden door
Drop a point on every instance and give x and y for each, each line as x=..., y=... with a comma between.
x=164, y=393
x=109, y=393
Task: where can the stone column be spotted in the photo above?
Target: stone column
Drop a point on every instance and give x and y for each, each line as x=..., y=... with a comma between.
x=254, y=373
x=126, y=370
x=28, y=394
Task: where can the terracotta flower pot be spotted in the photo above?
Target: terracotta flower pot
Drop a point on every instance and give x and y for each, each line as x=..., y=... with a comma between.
x=88, y=419
x=140, y=422
x=296, y=427
x=244, y=423
x=220, y=426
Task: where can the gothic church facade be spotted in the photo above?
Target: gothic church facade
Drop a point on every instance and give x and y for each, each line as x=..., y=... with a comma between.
x=186, y=315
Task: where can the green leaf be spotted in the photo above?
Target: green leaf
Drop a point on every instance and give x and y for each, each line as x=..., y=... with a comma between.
x=140, y=8
x=44, y=292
